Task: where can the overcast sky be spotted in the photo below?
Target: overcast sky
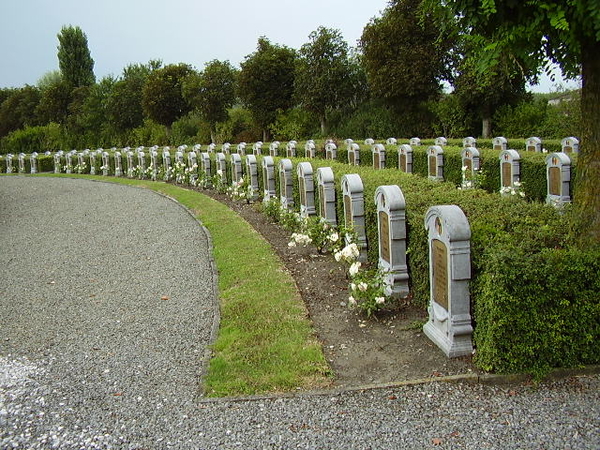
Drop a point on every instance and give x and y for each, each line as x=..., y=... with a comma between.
x=121, y=32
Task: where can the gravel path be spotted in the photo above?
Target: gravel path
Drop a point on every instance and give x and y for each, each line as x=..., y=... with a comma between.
x=106, y=308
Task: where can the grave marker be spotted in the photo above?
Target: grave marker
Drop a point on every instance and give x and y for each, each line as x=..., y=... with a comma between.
x=221, y=163
x=252, y=175
x=369, y=141
x=391, y=141
x=286, y=184
x=241, y=148
x=236, y=168
x=257, y=148
x=9, y=163
x=225, y=148
x=330, y=150
x=570, y=145
x=470, y=164
x=510, y=168
x=469, y=141
x=205, y=165
x=33, y=162
x=193, y=167
x=533, y=144
x=118, y=169
x=268, y=168
x=106, y=163
x=309, y=149
x=273, y=148
x=21, y=162
x=57, y=163
x=435, y=162
x=93, y=163
x=354, y=211
x=441, y=141
x=291, y=149
x=414, y=142
x=405, y=158
x=499, y=144
x=558, y=170
x=326, y=188
x=378, y=152
x=306, y=187
x=354, y=154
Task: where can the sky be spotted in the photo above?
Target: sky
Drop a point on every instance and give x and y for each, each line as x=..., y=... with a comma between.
x=122, y=32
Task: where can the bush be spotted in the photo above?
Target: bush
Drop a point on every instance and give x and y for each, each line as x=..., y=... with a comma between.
x=33, y=139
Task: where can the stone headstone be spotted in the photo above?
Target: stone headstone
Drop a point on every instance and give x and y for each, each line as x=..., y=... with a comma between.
x=69, y=161
x=391, y=222
x=306, y=187
x=354, y=154
x=211, y=147
x=470, y=164
x=286, y=184
x=197, y=148
x=290, y=149
x=414, y=142
x=153, y=163
x=309, y=149
x=330, y=150
x=326, y=189
x=236, y=168
x=130, y=164
x=449, y=325
x=441, y=141
x=469, y=141
x=241, y=148
x=118, y=167
x=558, y=176
x=273, y=148
x=21, y=162
x=225, y=148
x=9, y=163
x=378, y=152
x=252, y=175
x=391, y=141
x=106, y=163
x=257, y=148
x=141, y=156
x=33, y=162
x=354, y=211
x=435, y=162
x=369, y=141
x=405, y=158
x=533, y=144
x=510, y=168
x=205, y=167
x=221, y=164
x=499, y=144
x=193, y=167
x=92, y=163
x=268, y=170
x=179, y=157
x=570, y=145
x=167, y=164
x=57, y=163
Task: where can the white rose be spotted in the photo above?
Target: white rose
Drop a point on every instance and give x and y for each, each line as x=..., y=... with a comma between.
x=354, y=268
x=362, y=286
x=379, y=300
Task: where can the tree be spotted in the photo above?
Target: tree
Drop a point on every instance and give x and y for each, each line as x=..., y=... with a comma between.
x=54, y=103
x=538, y=32
x=212, y=92
x=162, y=97
x=74, y=59
x=405, y=55
x=266, y=82
x=324, y=77
x=18, y=109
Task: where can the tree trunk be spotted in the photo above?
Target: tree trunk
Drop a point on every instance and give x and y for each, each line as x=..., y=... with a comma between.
x=486, y=127
x=323, y=125
x=213, y=135
x=587, y=184
x=266, y=135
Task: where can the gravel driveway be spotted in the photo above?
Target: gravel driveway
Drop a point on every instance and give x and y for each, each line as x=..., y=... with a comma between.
x=107, y=306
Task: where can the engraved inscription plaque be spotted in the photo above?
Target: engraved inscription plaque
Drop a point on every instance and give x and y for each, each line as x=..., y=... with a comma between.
x=375, y=160
x=433, y=166
x=302, y=187
x=351, y=158
x=439, y=260
x=531, y=148
x=384, y=236
x=402, y=162
x=554, y=181
x=321, y=200
x=348, y=211
x=567, y=149
x=498, y=147
x=506, y=174
x=469, y=166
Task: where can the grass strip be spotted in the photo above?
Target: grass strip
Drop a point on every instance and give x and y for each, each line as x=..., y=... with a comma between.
x=266, y=342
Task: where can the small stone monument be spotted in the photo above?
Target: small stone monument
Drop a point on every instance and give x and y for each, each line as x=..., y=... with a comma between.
x=354, y=211
x=118, y=167
x=326, y=187
x=290, y=149
x=130, y=165
x=441, y=141
x=435, y=162
x=236, y=168
x=369, y=141
x=391, y=221
x=21, y=162
x=33, y=162
x=510, y=169
x=414, y=142
x=257, y=148
x=141, y=161
x=211, y=147
x=193, y=167
x=286, y=184
x=469, y=141
x=330, y=150
x=179, y=157
x=57, y=163
x=9, y=163
x=449, y=325
x=268, y=169
x=558, y=171
x=405, y=158
x=221, y=164
x=93, y=163
x=205, y=167
x=106, y=163
x=499, y=144
x=570, y=145
x=378, y=152
x=241, y=148
x=309, y=149
x=306, y=187
x=273, y=148
x=69, y=161
x=252, y=175
x=391, y=141
x=470, y=164
x=225, y=148
x=354, y=154
x=533, y=144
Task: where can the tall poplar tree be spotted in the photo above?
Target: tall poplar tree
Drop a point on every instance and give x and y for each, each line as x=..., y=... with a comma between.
x=74, y=59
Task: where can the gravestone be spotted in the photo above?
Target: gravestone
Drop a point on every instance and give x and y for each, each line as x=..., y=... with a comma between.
x=570, y=145
x=9, y=163
x=469, y=141
x=268, y=168
x=499, y=144
x=273, y=148
x=306, y=187
x=378, y=152
x=92, y=163
x=197, y=148
x=57, y=163
x=470, y=164
x=449, y=325
x=435, y=163
x=354, y=154
x=153, y=163
x=211, y=147
x=309, y=149
x=130, y=164
x=241, y=149
x=118, y=167
x=69, y=161
x=391, y=222
x=354, y=211
x=257, y=148
x=236, y=168
x=33, y=162
x=330, y=150
x=221, y=164
x=142, y=162
x=291, y=149
x=510, y=168
x=193, y=167
x=369, y=141
x=391, y=141
x=21, y=162
x=441, y=141
x=286, y=184
x=558, y=176
x=414, y=141
x=326, y=189
x=106, y=163
x=252, y=175
x=533, y=144
x=205, y=166
x=167, y=164
x=179, y=157
x=405, y=158
x=225, y=148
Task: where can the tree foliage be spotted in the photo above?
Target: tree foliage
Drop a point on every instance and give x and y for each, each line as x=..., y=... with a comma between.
x=18, y=109
x=162, y=96
x=266, y=81
x=54, y=103
x=74, y=59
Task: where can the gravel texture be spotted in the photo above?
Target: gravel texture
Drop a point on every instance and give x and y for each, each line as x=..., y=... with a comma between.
x=107, y=305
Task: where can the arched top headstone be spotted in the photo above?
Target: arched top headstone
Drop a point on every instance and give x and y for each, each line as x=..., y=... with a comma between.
x=389, y=198
x=469, y=141
x=441, y=141
x=570, y=145
x=447, y=223
x=414, y=141
x=499, y=143
x=533, y=144
x=391, y=141
x=369, y=141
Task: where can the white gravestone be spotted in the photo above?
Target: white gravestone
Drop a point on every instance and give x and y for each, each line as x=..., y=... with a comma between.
x=166, y=156
x=354, y=154
x=142, y=161
x=558, y=176
x=405, y=158
x=241, y=149
x=236, y=168
x=273, y=148
x=153, y=163
x=286, y=184
x=354, y=211
x=499, y=144
x=441, y=141
x=268, y=170
x=570, y=145
x=21, y=162
x=9, y=163
x=252, y=175
x=221, y=163
x=414, y=141
x=470, y=163
x=391, y=222
x=118, y=167
x=449, y=325
x=33, y=162
x=510, y=168
x=92, y=163
x=211, y=147
x=193, y=167
x=69, y=161
x=435, y=162
x=309, y=149
x=106, y=163
x=469, y=141
x=391, y=141
x=130, y=164
x=225, y=148
x=57, y=163
x=330, y=150
x=257, y=148
x=533, y=144
x=197, y=148
x=290, y=149
x=306, y=187
x=326, y=188
x=205, y=166
x=179, y=157
x=378, y=152
x=369, y=141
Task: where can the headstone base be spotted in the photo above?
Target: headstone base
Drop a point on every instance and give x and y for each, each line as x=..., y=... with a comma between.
x=453, y=345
